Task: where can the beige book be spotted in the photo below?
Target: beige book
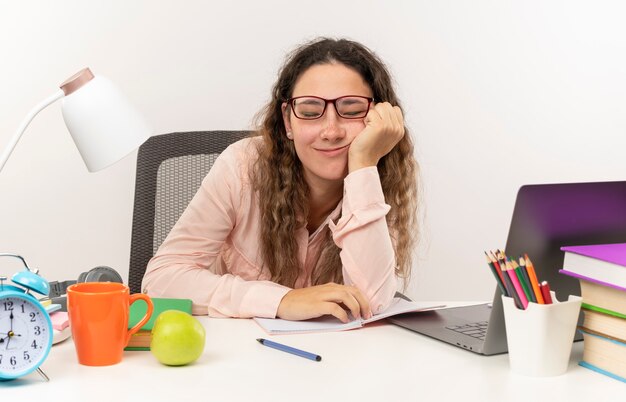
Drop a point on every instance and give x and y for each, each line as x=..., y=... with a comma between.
x=611, y=326
x=604, y=355
x=605, y=297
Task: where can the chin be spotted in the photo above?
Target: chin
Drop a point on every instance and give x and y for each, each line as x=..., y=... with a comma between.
x=329, y=172
x=334, y=171
x=334, y=176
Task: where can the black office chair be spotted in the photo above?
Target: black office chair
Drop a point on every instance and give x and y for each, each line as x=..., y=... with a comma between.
x=170, y=169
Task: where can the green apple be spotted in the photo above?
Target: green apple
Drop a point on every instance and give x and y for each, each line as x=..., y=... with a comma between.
x=177, y=338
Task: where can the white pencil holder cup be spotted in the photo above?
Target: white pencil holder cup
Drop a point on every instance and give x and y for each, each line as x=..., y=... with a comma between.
x=540, y=338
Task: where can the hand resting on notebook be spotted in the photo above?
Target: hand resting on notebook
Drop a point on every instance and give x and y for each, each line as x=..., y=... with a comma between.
x=327, y=299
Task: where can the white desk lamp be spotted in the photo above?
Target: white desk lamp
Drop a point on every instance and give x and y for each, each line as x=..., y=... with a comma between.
x=103, y=124
x=105, y=128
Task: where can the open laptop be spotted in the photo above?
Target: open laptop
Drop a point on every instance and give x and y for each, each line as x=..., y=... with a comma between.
x=545, y=218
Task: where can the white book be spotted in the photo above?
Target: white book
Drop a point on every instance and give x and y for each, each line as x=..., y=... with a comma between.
x=602, y=262
x=276, y=326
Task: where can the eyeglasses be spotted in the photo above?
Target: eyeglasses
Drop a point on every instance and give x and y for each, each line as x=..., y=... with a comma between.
x=313, y=107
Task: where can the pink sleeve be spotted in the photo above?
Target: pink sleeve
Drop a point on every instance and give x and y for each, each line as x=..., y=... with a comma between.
x=362, y=234
x=186, y=263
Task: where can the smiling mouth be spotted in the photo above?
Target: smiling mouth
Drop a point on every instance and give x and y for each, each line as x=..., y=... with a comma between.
x=333, y=150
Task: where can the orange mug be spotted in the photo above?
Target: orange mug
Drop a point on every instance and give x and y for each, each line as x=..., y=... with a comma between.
x=98, y=313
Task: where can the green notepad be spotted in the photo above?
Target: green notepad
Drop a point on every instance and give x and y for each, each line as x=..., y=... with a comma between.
x=141, y=340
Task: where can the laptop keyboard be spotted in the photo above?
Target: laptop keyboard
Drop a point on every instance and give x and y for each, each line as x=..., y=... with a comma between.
x=476, y=330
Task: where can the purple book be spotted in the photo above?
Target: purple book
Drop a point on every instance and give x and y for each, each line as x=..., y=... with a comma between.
x=603, y=262
x=614, y=253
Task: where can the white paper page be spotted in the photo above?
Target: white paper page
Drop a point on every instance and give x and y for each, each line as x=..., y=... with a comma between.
x=330, y=323
x=401, y=306
x=323, y=324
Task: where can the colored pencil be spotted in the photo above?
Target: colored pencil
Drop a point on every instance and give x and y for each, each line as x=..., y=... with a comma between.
x=494, y=271
x=511, y=288
x=522, y=280
x=509, y=276
x=518, y=287
x=545, y=290
x=494, y=260
x=501, y=260
x=531, y=293
x=496, y=263
x=533, y=279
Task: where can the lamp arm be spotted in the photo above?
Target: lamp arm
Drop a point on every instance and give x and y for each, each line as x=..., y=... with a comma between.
x=16, y=137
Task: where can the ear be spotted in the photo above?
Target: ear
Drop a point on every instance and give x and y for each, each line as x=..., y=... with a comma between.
x=286, y=116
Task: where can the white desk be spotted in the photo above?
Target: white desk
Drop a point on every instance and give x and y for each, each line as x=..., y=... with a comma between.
x=380, y=362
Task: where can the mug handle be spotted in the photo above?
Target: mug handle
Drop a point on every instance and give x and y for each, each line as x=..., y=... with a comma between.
x=137, y=327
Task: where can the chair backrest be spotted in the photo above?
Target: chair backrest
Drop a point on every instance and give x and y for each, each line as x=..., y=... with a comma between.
x=170, y=169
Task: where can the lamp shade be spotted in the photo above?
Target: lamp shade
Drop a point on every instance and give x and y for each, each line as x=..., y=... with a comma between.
x=103, y=124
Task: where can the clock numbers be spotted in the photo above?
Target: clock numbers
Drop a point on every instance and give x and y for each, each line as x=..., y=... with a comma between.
x=24, y=335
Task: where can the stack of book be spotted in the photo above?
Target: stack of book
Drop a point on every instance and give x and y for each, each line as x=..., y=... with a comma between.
x=601, y=270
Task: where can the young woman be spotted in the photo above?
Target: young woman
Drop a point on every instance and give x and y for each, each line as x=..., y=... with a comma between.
x=315, y=214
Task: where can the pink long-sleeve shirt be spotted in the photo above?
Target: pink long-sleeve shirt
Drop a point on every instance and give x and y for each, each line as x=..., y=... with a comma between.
x=212, y=255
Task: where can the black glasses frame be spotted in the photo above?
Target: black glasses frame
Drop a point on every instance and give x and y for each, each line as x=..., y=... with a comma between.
x=291, y=102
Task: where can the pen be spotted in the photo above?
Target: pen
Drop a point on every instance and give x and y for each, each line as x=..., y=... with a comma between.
x=289, y=349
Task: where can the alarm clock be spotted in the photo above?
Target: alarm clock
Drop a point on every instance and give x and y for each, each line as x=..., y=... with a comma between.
x=25, y=328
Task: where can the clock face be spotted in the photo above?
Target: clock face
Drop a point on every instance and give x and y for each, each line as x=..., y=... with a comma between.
x=25, y=337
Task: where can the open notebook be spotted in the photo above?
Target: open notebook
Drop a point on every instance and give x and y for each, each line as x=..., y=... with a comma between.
x=329, y=323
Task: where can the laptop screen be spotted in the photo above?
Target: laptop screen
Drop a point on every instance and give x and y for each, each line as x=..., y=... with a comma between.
x=545, y=218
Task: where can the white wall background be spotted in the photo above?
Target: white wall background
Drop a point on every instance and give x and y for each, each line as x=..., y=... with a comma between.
x=497, y=94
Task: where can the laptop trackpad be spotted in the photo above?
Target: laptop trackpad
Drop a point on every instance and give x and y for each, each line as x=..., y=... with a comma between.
x=434, y=323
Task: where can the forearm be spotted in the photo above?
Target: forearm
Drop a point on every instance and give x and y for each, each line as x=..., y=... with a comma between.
x=191, y=261
x=370, y=266
x=217, y=295
x=367, y=252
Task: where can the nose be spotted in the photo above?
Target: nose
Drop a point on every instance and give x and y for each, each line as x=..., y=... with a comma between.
x=332, y=130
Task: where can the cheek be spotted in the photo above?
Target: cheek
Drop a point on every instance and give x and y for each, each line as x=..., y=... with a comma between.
x=354, y=128
x=302, y=142
x=305, y=134
x=303, y=149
